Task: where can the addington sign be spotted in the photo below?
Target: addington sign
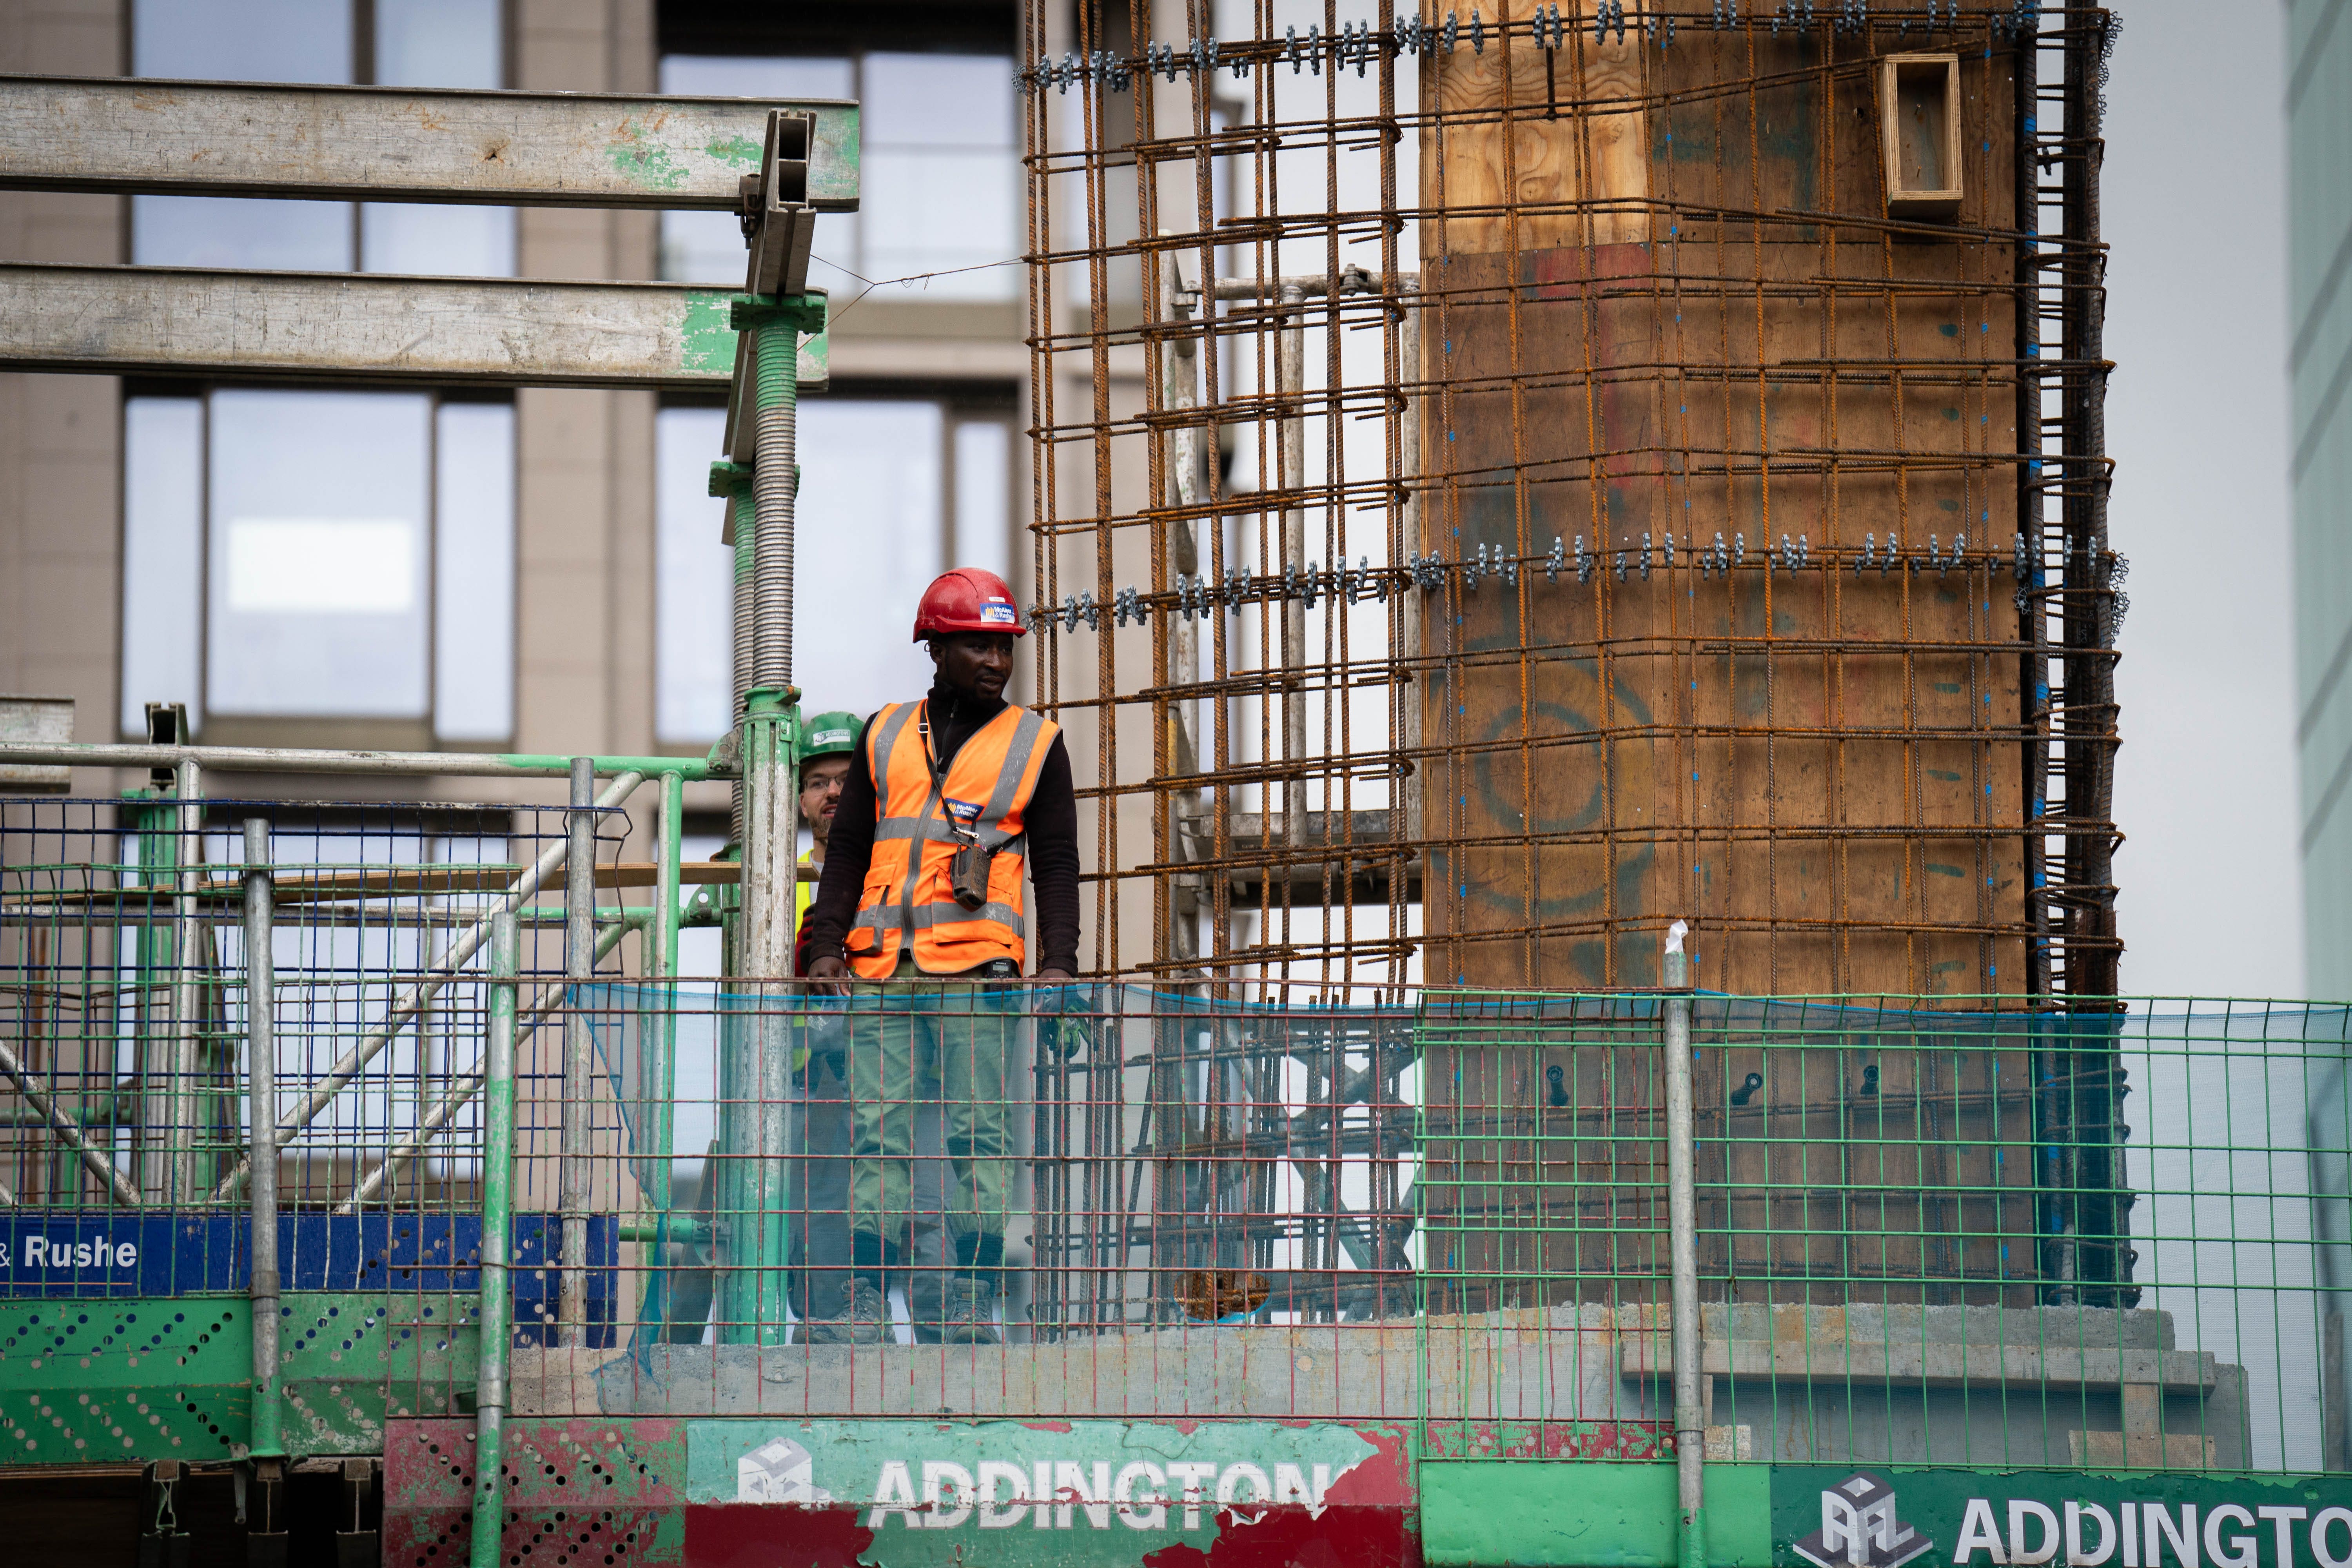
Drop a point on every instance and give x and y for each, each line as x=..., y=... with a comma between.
x=1970, y=1519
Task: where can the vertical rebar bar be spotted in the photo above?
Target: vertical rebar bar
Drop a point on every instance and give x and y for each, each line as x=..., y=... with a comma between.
x=498, y=1221
x=1682, y=1225
x=261, y=1093
x=575, y=1180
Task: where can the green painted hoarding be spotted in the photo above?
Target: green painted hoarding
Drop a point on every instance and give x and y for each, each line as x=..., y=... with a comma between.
x=1546, y=1514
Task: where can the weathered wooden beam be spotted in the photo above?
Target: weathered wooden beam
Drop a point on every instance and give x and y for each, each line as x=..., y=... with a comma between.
x=165, y=320
x=403, y=144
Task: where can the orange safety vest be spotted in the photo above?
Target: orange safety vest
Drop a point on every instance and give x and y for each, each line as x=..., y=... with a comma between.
x=986, y=789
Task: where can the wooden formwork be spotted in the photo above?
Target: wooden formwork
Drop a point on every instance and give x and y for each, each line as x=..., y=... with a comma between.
x=1664, y=301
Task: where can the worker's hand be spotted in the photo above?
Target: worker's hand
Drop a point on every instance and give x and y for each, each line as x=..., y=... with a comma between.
x=829, y=976
x=1058, y=1031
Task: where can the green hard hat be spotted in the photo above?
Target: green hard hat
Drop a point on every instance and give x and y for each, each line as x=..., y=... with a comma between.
x=828, y=735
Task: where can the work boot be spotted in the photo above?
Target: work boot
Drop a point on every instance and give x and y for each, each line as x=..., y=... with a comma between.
x=972, y=1313
x=864, y=1320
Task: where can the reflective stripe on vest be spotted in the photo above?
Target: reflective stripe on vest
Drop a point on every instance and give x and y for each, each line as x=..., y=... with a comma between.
x=906, y=897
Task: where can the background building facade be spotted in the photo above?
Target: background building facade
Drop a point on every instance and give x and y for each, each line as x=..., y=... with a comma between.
x=2319, y=254
x=531, y=570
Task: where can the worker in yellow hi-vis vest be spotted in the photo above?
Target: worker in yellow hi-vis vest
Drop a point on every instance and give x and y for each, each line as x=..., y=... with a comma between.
x=826, y=742
x=951, y=802
x=820, y=1131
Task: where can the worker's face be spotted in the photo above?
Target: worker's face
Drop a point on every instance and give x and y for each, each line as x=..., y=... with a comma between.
x=821, y=783
x=977, y=662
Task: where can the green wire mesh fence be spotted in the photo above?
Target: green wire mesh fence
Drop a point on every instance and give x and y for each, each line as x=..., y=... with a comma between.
x=1928, y=1230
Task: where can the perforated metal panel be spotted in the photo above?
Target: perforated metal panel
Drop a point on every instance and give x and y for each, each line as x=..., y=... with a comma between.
x=148, y=1379
x=82, y=1380
x=579, y=1491
x=350, y=1362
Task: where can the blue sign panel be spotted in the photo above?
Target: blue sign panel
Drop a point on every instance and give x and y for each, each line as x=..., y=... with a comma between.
x=76, y=1253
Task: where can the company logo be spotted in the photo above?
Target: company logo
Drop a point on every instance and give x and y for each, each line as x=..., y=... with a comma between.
x=1859, y=1529
x=51, y=1253
x=780, y=1471
x=830, y=738
x=997, y=613
x=1042, y=1494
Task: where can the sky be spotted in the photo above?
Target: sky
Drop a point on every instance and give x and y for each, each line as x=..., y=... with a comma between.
x=2195, y=214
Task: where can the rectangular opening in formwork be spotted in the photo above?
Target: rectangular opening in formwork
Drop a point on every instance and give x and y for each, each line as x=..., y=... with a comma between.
x=1508, y=479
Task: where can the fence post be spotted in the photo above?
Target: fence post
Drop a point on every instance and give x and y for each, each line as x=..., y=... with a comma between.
x=1682, y=1224
x=498, y=1224
x=573, y=1189
x=261, y=1117
x=268, y=1450
x=662, y=965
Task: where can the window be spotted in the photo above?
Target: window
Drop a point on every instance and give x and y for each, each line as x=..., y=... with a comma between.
x=694, y=580
x=412, y=43
x=321, y=554
x=939, y=170
x=474, y=584
x=893, y=490
x=315, y=560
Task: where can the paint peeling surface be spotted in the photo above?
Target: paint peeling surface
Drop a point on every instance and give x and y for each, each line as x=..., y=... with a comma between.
x=1549, y=1440
x=827, y=1494
x=937, y=1489
x=570, y=149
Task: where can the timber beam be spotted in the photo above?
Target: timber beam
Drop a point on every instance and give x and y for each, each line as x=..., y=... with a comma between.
x=405, y=144
x=158, y=320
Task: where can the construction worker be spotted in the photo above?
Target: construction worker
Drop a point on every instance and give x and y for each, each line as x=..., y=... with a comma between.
x=919, y=919
x=826, y=742
x=821, y=1136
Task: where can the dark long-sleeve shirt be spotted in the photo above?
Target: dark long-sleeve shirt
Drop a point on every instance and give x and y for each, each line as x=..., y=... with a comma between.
x=1050, y=823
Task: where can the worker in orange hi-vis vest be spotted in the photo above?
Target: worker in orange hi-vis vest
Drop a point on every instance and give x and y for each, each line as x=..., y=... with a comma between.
x=919, y=920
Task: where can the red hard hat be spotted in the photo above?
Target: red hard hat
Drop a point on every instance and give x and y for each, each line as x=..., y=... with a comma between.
x=968, y=599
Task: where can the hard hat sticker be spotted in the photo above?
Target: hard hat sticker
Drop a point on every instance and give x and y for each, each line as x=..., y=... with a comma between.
x=998, y=615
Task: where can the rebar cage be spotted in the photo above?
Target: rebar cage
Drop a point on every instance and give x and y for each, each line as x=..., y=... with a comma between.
x=1930, y=1230
x=1508, y=478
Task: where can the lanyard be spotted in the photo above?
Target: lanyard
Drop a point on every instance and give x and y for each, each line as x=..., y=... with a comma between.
x=938, y=776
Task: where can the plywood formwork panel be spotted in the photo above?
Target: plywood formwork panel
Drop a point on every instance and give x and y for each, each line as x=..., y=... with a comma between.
x=1822, y=768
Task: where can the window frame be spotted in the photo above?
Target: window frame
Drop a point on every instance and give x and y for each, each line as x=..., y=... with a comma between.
x=363, y=73
x=852, y=44
x=357, y=730
x=960, y=403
